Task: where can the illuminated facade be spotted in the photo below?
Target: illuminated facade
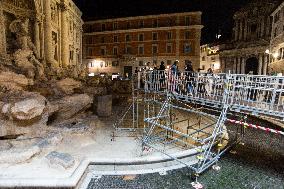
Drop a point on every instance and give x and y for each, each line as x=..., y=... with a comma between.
x=209, y=58
x=277, y=40
x=122, y=44
x=51, y=28
x=245, y=53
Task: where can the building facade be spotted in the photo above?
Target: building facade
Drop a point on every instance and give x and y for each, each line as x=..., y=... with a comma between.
x=122, y=44
x=52, y=29
x=277, y=40
x=209, y=58
x=245, y=53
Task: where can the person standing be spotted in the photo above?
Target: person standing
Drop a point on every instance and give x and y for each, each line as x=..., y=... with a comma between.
x=174, y=77
x=189, y=77
x=162, y=74
x=209, y=82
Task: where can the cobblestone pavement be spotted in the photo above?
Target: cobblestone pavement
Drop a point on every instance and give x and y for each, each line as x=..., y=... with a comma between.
x=257, y=164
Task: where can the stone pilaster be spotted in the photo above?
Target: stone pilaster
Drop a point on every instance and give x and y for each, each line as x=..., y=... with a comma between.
x=265, y=63
x=243, y=65
x=41, y=38
x=235, y=65
x=241, y=30
x=37, y=36
x=2, y=34
x=245, y=29
x=260, y=62
x=48, y=34
x=64, y=36
x=237, y=31
x=81, y=46
x=262, y=28
x=238, y=65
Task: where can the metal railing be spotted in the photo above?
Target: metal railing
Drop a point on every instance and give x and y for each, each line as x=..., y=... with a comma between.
x=252, y=94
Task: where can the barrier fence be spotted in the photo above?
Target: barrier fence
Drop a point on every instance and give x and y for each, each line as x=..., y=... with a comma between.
x=165, y=91
x=246, y=93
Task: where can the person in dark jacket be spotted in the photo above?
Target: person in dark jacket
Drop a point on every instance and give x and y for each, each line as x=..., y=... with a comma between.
x=162, y=74
x=189, y=77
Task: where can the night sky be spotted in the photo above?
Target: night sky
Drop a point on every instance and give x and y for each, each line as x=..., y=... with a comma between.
x=217, y=14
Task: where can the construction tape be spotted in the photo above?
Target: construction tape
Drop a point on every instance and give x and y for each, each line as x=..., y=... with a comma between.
x=268, y=130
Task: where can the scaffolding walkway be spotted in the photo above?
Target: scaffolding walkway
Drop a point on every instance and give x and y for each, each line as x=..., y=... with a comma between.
x=159, y=93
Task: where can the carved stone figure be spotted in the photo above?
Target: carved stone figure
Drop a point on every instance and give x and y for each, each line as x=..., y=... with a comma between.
x=26, y=56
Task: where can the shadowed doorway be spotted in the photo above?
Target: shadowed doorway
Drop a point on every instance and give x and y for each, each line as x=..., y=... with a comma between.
x=251, y=66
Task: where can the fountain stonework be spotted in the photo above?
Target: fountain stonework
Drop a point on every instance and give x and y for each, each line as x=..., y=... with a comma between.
x=40, y=65
x=41, y=36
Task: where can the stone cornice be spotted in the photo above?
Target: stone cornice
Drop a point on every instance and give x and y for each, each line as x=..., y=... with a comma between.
x=197, y=13
x=244, y=51
x=146, y=29
x=17, y=10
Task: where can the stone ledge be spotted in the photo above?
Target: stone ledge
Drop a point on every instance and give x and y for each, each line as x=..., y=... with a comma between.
x=75, y=177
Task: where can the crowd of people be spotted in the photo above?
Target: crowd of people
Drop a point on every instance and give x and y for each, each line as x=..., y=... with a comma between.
x=177, y=81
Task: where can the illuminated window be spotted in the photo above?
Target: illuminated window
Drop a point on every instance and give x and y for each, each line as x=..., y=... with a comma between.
x=187, y=48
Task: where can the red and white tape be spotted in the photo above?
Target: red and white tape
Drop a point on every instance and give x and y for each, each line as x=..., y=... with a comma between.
x=256, y=127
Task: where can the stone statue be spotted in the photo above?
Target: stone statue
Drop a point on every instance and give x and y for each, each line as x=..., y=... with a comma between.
x=26, y=57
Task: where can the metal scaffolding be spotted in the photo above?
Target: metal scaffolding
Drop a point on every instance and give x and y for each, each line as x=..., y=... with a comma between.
x=157, y=95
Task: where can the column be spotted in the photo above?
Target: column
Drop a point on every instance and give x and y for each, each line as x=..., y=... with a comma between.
x=41, y=38
x=241, y=30
x=260, y=62
x=265, y=63
x=81, y=46
x=243, y=65
x=238, y=65
x=237, y=30
x=37, y=37
x=262, y=28
x=2, y=34
x=245, y=30
x=48, y=35
x=235, y=65
x=64, y=37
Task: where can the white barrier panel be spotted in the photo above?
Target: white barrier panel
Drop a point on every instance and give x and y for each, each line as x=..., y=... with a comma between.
x=249, y=93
